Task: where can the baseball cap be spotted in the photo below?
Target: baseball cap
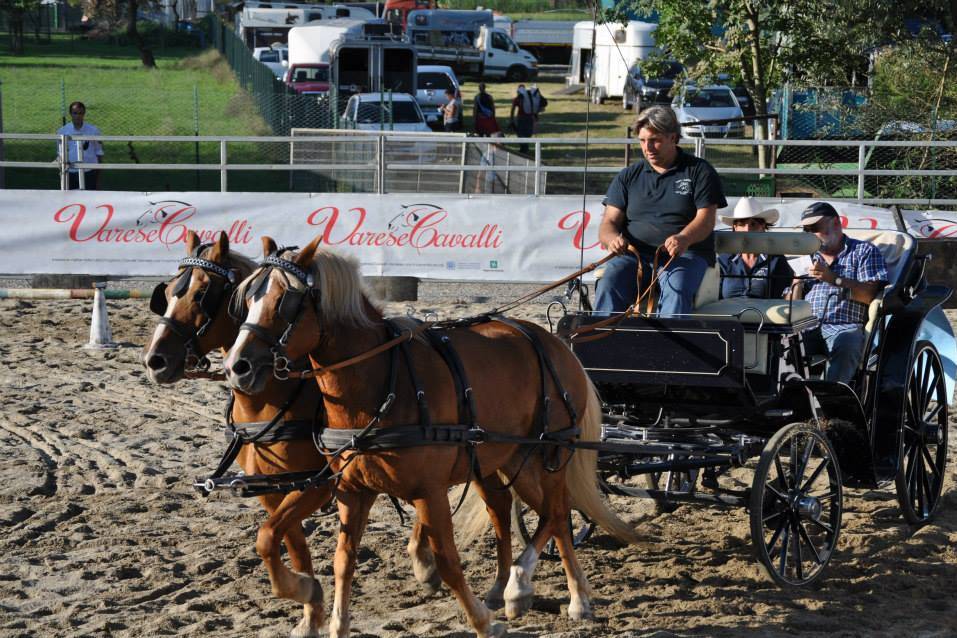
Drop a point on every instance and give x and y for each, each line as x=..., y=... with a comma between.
x=816, y=212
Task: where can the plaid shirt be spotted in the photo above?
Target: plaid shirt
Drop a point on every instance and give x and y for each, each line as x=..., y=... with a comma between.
x=859, y=261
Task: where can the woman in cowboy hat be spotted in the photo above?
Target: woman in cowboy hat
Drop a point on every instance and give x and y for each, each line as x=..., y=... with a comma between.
x=749, y=274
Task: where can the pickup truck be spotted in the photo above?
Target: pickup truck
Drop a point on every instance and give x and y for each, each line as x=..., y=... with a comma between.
x=467, y=42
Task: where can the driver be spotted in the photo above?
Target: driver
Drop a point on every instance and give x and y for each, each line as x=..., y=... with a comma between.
x=847, y=274
x=668, y=199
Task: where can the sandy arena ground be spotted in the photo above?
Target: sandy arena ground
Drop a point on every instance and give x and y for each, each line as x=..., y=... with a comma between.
x=101, y=533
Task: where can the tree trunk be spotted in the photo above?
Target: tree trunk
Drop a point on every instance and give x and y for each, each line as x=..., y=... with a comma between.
x=16, y=31
x=146, y=54
x=760, y=89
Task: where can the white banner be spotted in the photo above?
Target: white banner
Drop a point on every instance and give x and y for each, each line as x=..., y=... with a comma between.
x=484, y=237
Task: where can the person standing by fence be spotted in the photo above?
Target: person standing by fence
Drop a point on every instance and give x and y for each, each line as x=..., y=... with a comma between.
x=92, y=149
x=452, y=112
x=522, y=116
x=483, y=113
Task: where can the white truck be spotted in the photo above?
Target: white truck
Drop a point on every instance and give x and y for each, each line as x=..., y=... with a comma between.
x=468, y=42
x=618, y=50
x=548, y=40
x=261, y=26
x=309, y=46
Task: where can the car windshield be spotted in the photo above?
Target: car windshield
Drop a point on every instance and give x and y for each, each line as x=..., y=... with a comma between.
x=435, y=81
x=269, y=56
x=673, y=70
x=708, y=98
x=311, y=74
x=377, y=112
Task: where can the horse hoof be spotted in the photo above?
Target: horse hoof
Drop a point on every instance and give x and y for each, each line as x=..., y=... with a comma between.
x=580, y=612
x=304, y=630
x=494, y=602
x=518, y=606
x=496, y=630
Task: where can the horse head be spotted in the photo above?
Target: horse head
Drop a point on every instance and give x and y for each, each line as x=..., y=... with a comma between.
x=292, y=304
x=193, y=310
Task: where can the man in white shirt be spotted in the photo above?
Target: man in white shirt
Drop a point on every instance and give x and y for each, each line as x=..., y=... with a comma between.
x=92, y=150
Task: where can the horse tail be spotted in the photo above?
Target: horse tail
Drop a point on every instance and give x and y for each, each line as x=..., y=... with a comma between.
x=582, y=476
x=472, y=519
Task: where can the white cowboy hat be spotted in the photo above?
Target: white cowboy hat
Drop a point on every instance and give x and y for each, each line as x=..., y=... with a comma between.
x=749, y=208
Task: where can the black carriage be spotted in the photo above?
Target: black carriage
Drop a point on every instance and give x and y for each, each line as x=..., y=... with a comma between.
x=688, y=400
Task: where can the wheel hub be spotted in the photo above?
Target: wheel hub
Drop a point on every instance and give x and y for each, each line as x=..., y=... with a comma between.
x=807, y=506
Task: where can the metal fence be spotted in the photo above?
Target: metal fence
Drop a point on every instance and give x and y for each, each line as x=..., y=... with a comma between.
x=916, y=173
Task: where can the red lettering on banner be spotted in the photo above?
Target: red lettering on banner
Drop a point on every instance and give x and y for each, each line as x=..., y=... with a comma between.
x=172, y=226
x=424, y=231
x=928, y=230
x=871, y=220
x=577, y=221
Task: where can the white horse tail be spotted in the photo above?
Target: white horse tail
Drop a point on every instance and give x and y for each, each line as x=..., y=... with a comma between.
x=581, y=477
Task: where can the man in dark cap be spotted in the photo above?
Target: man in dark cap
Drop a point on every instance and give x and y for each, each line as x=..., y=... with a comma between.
x=849, y=274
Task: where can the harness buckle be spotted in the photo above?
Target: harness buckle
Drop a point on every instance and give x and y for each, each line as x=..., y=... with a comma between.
x=387, y=404
x=280, y=365
x=476, y=436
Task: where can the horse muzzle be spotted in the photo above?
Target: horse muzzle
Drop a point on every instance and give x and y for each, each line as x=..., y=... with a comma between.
x=248, y=370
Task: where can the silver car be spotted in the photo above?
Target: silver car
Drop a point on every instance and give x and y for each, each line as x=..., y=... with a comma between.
x=433, y=80
x=704, y=111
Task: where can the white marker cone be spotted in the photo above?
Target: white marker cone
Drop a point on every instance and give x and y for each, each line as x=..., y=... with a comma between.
x=100, y=334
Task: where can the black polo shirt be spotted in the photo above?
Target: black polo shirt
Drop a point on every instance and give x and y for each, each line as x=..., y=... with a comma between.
x=659, y=205
x=767, y=280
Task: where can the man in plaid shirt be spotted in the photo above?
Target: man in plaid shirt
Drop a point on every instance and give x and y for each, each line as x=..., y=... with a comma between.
x=849, y=273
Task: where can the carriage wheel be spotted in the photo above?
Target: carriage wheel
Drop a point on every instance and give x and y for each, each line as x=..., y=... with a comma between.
x=796, y=505
x=527, y=519
x=923, y=437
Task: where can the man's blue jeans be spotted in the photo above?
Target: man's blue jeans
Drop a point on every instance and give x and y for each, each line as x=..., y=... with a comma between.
x=618, y=287
x=845, y=351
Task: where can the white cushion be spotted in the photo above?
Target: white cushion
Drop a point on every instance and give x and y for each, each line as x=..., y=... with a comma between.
x=778, y=312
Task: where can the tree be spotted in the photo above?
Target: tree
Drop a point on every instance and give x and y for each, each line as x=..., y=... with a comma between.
x=110, y=10
x=768, y=42
x=16, y=10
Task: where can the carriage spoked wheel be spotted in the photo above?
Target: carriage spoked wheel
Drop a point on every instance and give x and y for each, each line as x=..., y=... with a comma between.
x=796, y=505
x=527, y=520
x=923, y=436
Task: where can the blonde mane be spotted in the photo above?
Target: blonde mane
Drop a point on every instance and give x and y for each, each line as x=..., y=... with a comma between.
x=342, y=297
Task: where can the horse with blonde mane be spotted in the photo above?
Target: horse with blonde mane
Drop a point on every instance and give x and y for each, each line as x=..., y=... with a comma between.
x=484, y=398
x=195, y=322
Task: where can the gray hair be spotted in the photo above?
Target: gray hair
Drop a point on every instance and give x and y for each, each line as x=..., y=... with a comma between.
x=660, y=119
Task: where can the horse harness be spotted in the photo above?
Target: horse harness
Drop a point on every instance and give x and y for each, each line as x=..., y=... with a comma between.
x=209, y=302
x=335, y=442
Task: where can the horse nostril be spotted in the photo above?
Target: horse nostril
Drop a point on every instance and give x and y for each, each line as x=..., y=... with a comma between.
x=156, y=362
x=241, y=367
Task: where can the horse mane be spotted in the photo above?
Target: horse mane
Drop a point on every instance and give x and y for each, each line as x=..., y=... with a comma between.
x=342, y=297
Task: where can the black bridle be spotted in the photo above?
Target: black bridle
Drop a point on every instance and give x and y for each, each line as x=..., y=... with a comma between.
x=289, y=310
x=210, y=299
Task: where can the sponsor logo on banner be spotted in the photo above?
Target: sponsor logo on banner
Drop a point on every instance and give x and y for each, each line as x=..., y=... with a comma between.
x=421, y=226
x=164, y=223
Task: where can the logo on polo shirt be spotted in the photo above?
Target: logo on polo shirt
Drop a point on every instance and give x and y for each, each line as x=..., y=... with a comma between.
x=683, y=186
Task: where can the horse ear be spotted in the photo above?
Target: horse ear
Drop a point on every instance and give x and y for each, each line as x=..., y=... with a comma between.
x=220, y=248
x=307, y=254
x=192, y=242
x=269, y=246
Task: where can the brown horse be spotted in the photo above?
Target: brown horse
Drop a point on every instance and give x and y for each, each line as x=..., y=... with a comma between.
x=313, y=304
x=195, y=321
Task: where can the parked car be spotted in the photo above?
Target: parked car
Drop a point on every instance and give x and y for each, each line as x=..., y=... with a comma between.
x=307, y=79
x=384, y=111
x=651, y=89
x=276, y=58
x=433, y=80
x=695, y=104
x=744, y=99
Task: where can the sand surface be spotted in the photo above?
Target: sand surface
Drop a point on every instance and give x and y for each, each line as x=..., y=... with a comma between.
x=101, y=533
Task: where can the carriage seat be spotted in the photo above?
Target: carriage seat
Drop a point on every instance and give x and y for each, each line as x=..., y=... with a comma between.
x=896, y=247
x=778, y=312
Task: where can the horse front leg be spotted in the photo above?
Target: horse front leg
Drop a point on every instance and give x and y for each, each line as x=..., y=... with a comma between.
x=436, y=517
x=353, y=515
x=285, y=523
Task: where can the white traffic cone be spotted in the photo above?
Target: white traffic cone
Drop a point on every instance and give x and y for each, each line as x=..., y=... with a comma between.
x=100, y=335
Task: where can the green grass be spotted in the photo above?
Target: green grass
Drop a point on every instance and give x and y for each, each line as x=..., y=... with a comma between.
x=190, y=91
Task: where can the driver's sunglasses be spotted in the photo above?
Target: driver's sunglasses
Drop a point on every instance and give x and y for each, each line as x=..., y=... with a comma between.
x=77, y=112
x=816, y=228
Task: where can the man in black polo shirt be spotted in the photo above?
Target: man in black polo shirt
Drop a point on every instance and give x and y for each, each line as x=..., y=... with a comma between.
x=669, y=199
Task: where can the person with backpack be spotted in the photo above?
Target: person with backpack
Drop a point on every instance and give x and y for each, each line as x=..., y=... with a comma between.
x=539, y=102
x=522, y=116
x=483, y=113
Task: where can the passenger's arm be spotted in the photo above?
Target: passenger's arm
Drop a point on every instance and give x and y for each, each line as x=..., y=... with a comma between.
x=697, y=230
x=611, y=230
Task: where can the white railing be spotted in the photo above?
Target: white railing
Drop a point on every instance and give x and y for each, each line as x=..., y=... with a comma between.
x=534, y=164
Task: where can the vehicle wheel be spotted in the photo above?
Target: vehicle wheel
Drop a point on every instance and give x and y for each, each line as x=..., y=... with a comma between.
x=923, y=436
x=796, y=505
x=516, y=74
x=527, y=520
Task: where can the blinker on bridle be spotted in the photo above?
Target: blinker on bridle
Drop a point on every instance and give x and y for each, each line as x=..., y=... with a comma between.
x=209, y=303
x=289, y=309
